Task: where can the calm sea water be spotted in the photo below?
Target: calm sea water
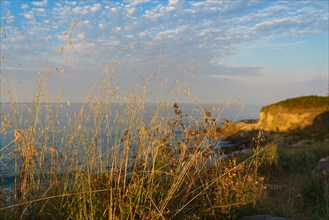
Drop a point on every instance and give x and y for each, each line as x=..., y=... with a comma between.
x=229, y=112
x=24, y=117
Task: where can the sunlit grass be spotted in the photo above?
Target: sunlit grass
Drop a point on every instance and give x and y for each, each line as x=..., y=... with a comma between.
x=109, y=161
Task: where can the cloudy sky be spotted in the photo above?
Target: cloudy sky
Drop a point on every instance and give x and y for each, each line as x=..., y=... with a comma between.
x=254, y=52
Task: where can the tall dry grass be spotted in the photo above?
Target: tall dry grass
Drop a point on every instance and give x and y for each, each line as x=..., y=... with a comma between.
x=119, y=165
x=105, y=162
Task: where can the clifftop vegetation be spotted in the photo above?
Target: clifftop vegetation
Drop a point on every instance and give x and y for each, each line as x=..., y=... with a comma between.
x=300, y=104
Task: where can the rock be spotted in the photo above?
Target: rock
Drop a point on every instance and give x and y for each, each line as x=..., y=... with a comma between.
x=296, y=114
x=302, y=143
x=321, y=122
x=262, y=217
x=279, y=140
x=247, y=124
x=289, y=123
x=322, y=173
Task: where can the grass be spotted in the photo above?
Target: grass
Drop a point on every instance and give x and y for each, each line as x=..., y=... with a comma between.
x=292, y=190
x=106, y=164
x=107, y=161
x=304, y=102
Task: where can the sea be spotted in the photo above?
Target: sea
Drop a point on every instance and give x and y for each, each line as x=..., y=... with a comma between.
x=20, y=116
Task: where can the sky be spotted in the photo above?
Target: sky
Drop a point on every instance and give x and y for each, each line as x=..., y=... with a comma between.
x=251, y=52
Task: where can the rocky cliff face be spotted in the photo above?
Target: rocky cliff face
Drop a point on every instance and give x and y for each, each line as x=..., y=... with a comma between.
x=298, y=113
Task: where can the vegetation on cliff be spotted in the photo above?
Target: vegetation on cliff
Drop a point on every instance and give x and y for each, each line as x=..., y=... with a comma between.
x=295, y=113
x=295, y=135
x=300, y=104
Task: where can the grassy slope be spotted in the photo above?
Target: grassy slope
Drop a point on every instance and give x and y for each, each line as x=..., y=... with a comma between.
x=300, y=103
x=292, y=190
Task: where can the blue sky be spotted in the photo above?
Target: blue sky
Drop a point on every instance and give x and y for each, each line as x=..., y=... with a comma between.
x=242, y=51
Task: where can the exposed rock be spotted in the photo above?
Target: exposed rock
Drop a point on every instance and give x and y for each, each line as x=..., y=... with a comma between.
x=279, y=140
x=289, y=123
x=297, y=113
x=302, y=143
x=242, y=131
x=247, y=125
x=322, y=173
x=281, y=121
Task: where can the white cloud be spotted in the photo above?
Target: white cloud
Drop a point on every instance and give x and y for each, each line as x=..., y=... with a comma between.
x=278, y=46
x=173, y=2
x=143, y=34
x=96, y=7
x=81, y=10
x=276, y=8
x=149, y=14
x=117, y=29
x=28, y=15
x=137, y=2
x=101, y=26
x=168, y=33
x=277, y=23
x=210, y=30
x=215, y=2
x=167, y=9
x=20, y=68
x=40, y=10
x=235, y=70
x=198, y=4
x=40, y=4
x=131, y=11
x=83, y=50
x=81, y=36
x=153, y=14
x=24, y=6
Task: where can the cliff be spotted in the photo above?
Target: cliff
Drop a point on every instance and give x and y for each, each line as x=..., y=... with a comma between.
x=296, y=113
